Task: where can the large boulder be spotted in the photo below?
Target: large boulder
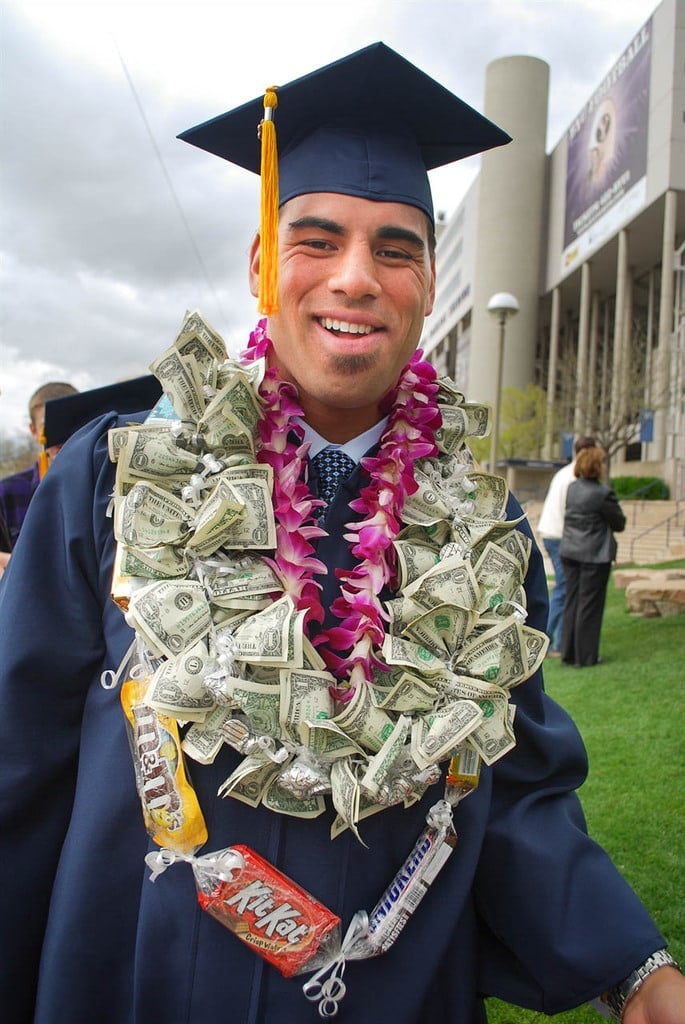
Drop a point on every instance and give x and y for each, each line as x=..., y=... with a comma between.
x=623, y=577
x=654, y=595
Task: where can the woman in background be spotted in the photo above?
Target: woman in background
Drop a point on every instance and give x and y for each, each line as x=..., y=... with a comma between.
x=588, y=547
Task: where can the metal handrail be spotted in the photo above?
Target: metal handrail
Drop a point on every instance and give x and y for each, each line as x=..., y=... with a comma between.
x=656, y=526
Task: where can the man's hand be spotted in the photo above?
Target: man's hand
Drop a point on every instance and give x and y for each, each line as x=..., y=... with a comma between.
x=660, y=1000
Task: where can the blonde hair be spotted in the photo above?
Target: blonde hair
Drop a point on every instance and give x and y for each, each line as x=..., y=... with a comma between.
x=45, y=393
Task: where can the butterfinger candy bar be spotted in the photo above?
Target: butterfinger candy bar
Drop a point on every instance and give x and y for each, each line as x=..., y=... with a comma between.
x=463, y=775
x=268, y=912
x=171, y=810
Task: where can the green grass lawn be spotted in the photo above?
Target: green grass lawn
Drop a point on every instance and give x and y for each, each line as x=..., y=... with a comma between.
x=629, y=710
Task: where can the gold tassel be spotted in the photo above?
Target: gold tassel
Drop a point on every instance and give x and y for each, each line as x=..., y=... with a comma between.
x=42, y=456
x=268, y=228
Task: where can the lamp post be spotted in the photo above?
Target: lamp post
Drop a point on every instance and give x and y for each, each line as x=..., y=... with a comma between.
x=502, y=305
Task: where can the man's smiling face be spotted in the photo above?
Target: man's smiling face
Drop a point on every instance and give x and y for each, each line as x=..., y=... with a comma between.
x=356, y=280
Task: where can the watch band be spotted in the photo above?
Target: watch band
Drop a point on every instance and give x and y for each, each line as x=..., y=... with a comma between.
x=617, y=997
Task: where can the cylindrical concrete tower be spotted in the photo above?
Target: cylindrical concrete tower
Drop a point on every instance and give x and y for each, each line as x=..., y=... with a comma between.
x=510, y=224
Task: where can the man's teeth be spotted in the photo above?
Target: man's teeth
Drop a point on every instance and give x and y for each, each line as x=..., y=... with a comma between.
x=342, y=325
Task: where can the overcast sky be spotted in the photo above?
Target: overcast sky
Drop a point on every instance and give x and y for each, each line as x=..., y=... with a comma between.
x=110, y=227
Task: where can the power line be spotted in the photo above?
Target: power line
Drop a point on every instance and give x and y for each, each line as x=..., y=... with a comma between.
x=170, y=184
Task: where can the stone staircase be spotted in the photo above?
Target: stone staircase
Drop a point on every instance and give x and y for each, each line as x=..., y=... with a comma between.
x=655, y=531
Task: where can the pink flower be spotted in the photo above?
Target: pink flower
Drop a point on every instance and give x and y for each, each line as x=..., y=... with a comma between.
x=371, y=537
x=294, y=560
x=258, y=345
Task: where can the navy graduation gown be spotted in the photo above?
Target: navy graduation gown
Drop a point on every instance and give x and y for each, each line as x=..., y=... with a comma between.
x=528, y=908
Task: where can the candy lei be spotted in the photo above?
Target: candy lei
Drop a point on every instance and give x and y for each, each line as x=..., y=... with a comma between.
x=403, y=685
x=396, y=687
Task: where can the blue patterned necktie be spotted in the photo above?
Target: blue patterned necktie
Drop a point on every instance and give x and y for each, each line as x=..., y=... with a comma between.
x=332, y=465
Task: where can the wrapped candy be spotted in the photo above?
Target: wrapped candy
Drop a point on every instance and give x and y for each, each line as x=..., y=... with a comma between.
x=410, y=884
x=289, y=928
x=265, y=909
x=463, y=775
x=269, y=912
x=372, y=934
x=171, y=811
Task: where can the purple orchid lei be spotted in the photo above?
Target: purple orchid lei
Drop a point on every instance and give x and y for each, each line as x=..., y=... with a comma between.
x=350, y=648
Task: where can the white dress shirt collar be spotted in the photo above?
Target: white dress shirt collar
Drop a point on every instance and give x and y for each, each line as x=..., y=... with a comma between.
x=356, y=448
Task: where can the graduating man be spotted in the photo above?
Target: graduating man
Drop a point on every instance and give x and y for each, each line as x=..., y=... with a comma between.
x=331, y=715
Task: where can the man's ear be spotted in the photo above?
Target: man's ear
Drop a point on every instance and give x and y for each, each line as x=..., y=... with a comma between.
x=255, y=250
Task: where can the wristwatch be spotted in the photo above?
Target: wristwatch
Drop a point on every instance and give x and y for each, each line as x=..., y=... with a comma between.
x=617, y=997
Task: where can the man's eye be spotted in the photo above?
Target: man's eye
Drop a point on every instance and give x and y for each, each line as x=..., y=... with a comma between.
x=316, y=243
x=394, y=254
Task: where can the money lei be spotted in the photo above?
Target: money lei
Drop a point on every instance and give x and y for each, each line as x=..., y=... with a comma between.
x=217, y=572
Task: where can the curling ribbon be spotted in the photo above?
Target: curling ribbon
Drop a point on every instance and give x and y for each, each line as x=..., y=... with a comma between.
x=326, y=988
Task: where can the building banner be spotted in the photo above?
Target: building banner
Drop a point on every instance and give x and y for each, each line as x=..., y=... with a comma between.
x=607, y=154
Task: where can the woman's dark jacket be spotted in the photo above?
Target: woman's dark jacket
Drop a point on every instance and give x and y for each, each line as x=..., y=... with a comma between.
x=592, y=516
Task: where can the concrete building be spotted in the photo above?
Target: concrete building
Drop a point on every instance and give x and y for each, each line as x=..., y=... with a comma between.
x=590, y=239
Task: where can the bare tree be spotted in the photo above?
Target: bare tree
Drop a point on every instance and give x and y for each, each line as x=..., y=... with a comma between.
x=612, y=411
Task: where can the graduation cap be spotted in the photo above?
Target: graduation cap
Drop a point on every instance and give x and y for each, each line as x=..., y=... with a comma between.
x=369, y=125
x=64, y=416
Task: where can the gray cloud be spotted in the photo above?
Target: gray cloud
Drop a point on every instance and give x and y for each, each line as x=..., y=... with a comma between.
x=98, y=256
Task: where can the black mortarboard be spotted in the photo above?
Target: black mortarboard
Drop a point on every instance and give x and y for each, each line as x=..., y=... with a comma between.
x=368, y=125
x=374, y=98
x=64, y=416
